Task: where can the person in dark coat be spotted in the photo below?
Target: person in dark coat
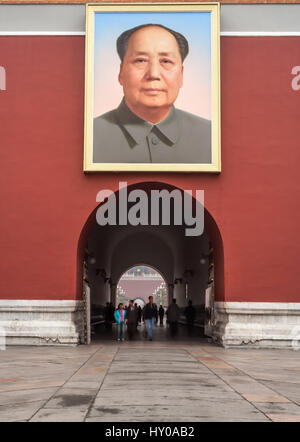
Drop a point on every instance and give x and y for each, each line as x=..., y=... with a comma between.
x=190, y=313
x=131, y=319
x=150, y=314
x=107, y=316
x=111, y=313
x=139, y=312
x=173, y=315
x=161, y=313
x=137, y=315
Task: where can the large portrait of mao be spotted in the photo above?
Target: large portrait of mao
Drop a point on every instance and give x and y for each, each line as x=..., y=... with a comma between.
x=152, y=95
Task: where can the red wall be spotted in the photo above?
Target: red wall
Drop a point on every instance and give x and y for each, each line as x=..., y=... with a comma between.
x=139, y=288
x=46, y=198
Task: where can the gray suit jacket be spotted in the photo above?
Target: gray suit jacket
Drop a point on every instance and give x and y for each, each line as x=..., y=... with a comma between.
x=120, y=136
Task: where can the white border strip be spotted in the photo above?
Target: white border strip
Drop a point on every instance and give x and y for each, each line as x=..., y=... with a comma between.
x=40, y=305
x=51, y=33
x=247, y=308
x=223, y=34
x=260, y=34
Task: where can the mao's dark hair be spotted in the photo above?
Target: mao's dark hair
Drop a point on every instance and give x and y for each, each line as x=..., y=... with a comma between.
x=123, y=40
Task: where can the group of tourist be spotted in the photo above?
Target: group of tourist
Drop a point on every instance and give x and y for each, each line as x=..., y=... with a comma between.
x=132, y=315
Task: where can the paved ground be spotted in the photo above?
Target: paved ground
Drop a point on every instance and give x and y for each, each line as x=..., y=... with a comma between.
x=175, y=381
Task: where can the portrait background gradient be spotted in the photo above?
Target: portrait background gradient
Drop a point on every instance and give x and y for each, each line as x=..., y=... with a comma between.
x=194, y=96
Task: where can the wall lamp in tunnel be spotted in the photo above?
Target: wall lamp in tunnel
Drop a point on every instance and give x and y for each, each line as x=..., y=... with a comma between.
x=102, y=274
x=188, y=273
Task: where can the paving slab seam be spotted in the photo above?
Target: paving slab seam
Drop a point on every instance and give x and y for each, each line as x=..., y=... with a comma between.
x=25, y=389
x=252, y=391
x=93, y=401
x=259, y=381
x=61, y=386
x=233, y=389
x=290, y=400
x=21, y=403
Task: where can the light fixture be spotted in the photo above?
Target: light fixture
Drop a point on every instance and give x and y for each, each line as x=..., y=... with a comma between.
x=188, y=273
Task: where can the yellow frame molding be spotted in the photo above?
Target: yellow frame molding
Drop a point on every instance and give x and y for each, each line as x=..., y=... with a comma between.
x=89, y=165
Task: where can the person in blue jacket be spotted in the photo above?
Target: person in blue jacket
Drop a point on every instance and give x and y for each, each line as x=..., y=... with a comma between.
x=120, y=315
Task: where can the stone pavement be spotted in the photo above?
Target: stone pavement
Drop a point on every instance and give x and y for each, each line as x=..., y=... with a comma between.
x=172, y=381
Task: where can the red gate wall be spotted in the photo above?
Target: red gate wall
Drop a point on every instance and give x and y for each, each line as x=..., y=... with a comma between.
x=46, y=198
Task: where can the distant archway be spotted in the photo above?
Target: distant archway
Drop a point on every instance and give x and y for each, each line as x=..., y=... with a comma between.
x=140, y=302
x=141, y=281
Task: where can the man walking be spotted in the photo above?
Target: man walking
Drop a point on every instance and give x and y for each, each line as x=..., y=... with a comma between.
x=150, y=313
x=139, y=313
x=173, y=315
x=161, y=313
x=190, y=314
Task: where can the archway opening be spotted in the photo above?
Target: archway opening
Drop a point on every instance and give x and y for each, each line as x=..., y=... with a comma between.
x=193, y=267
x=138, y=283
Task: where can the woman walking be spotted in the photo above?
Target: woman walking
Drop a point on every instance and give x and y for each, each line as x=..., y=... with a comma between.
x=120, y=315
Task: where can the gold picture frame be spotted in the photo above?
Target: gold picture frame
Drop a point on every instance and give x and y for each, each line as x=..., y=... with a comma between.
x=213, y=10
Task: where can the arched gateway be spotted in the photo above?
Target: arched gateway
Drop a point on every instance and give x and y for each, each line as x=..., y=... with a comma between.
x=140, y=281
x=192, y=265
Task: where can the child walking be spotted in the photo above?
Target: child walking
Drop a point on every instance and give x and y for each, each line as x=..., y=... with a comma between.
x=120, y=315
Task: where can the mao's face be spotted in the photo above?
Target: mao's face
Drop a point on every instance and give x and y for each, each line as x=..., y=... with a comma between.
x=151, y=73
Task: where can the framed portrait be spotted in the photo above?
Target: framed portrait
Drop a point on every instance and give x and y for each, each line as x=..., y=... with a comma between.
x=152, y=87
